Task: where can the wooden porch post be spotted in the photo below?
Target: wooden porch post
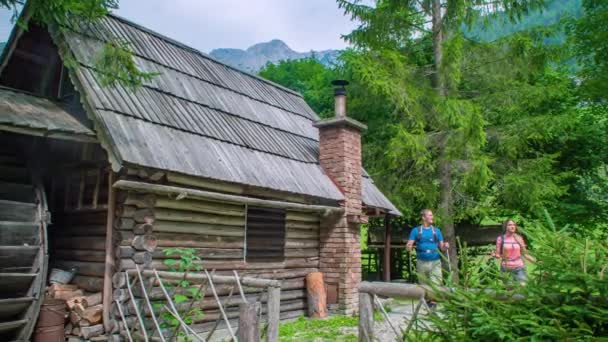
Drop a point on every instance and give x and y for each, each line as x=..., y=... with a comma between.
x=110, y=265
x=386, y=269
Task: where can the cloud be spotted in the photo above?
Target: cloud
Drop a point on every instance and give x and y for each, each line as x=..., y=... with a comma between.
x=204, y=24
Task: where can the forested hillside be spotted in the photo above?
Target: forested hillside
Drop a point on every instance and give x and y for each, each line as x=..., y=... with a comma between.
x=524, y=134
x=500, y=26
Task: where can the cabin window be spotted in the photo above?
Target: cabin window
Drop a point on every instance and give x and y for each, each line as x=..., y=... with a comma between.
x=265, y=234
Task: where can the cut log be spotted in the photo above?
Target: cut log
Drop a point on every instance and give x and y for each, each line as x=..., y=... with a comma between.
x=124, y=252
x=75, y=319
x=140, y=200
x=143, y=228
x=79, y=300
x=93, y=314
x=91, y=284
x=61, y=287
x=316, y=295
x=92, y=331
x=118, y=280
x=66, y=295
x=124, y=223
x=144, y=258
x=144, y=243
x=122, y=295
x=94, y=299
x=143, y=216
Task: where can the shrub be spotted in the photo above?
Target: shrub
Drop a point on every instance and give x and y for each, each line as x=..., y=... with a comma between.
x=566, y=296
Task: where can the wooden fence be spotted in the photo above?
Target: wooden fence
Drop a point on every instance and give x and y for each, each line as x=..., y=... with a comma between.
x=146, y=325
x=368, y=297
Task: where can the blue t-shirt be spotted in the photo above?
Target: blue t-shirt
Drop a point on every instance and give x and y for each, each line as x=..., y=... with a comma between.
x=427, y=248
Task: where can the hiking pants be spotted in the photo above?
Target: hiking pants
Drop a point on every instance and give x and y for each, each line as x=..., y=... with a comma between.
x=429, y=272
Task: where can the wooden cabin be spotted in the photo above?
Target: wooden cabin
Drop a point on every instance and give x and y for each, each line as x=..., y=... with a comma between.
x=203, y=156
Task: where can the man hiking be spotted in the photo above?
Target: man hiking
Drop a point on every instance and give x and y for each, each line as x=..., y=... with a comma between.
x=429, y=241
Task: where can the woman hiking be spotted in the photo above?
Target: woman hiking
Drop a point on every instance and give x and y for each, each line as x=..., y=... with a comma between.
x=511, y=249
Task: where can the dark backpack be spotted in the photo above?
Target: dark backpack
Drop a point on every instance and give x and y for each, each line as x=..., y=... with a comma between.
x=419, y=236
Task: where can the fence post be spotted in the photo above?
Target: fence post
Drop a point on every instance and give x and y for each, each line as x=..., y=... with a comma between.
x=249, y=330
x=366, y=317
x=274, y=312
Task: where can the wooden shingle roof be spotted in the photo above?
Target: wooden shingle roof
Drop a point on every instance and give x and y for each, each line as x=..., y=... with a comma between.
x=199, y=116
x=31, y=114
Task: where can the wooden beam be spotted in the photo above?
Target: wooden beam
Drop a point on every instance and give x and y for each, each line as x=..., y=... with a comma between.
x=407, y=291
x=386, y=269
x=366, y=317
x=49, y=134
x=218, y=279
x=274, y=313
x=110, y=264
x=207, y=195
x=249, y=330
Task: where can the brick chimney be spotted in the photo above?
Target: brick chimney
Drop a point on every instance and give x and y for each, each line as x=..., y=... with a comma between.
x=340, y=251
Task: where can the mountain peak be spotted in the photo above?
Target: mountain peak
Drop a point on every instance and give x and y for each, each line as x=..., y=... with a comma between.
x=274, y=45
x=258, y=55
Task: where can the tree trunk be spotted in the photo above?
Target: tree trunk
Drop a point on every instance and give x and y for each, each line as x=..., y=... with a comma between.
x=445, y=175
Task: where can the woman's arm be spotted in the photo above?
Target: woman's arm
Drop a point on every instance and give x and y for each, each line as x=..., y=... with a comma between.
x=497, y=252
x=524, y=250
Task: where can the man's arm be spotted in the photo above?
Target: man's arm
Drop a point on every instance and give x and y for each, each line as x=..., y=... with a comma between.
x=411, y=240
x=409, y=245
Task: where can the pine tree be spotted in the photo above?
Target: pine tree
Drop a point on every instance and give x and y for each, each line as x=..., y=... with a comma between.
x=442, y=134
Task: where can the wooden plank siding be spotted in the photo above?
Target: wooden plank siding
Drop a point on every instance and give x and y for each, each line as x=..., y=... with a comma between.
x=217, y=232
x=78, y=240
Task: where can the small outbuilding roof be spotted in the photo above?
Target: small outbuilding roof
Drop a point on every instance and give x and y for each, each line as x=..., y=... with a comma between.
x=31, y=114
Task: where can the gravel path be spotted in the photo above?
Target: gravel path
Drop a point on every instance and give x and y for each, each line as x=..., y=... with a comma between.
x=399, y=313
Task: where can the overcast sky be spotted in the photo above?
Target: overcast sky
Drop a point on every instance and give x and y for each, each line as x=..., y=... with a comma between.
x=208, y=24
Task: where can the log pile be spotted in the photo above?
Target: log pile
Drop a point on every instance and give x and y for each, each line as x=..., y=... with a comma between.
x=84, y=309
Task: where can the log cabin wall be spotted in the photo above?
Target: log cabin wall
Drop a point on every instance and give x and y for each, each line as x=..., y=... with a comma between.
x=147, y=224
x=78, y=193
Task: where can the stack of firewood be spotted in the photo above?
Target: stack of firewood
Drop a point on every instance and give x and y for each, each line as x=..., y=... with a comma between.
x=85, y=311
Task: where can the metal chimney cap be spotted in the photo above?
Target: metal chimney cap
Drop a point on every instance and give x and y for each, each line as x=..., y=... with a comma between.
x=340, y=83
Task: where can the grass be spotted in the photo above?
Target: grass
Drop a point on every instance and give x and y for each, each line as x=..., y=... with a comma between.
x=334, y=328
